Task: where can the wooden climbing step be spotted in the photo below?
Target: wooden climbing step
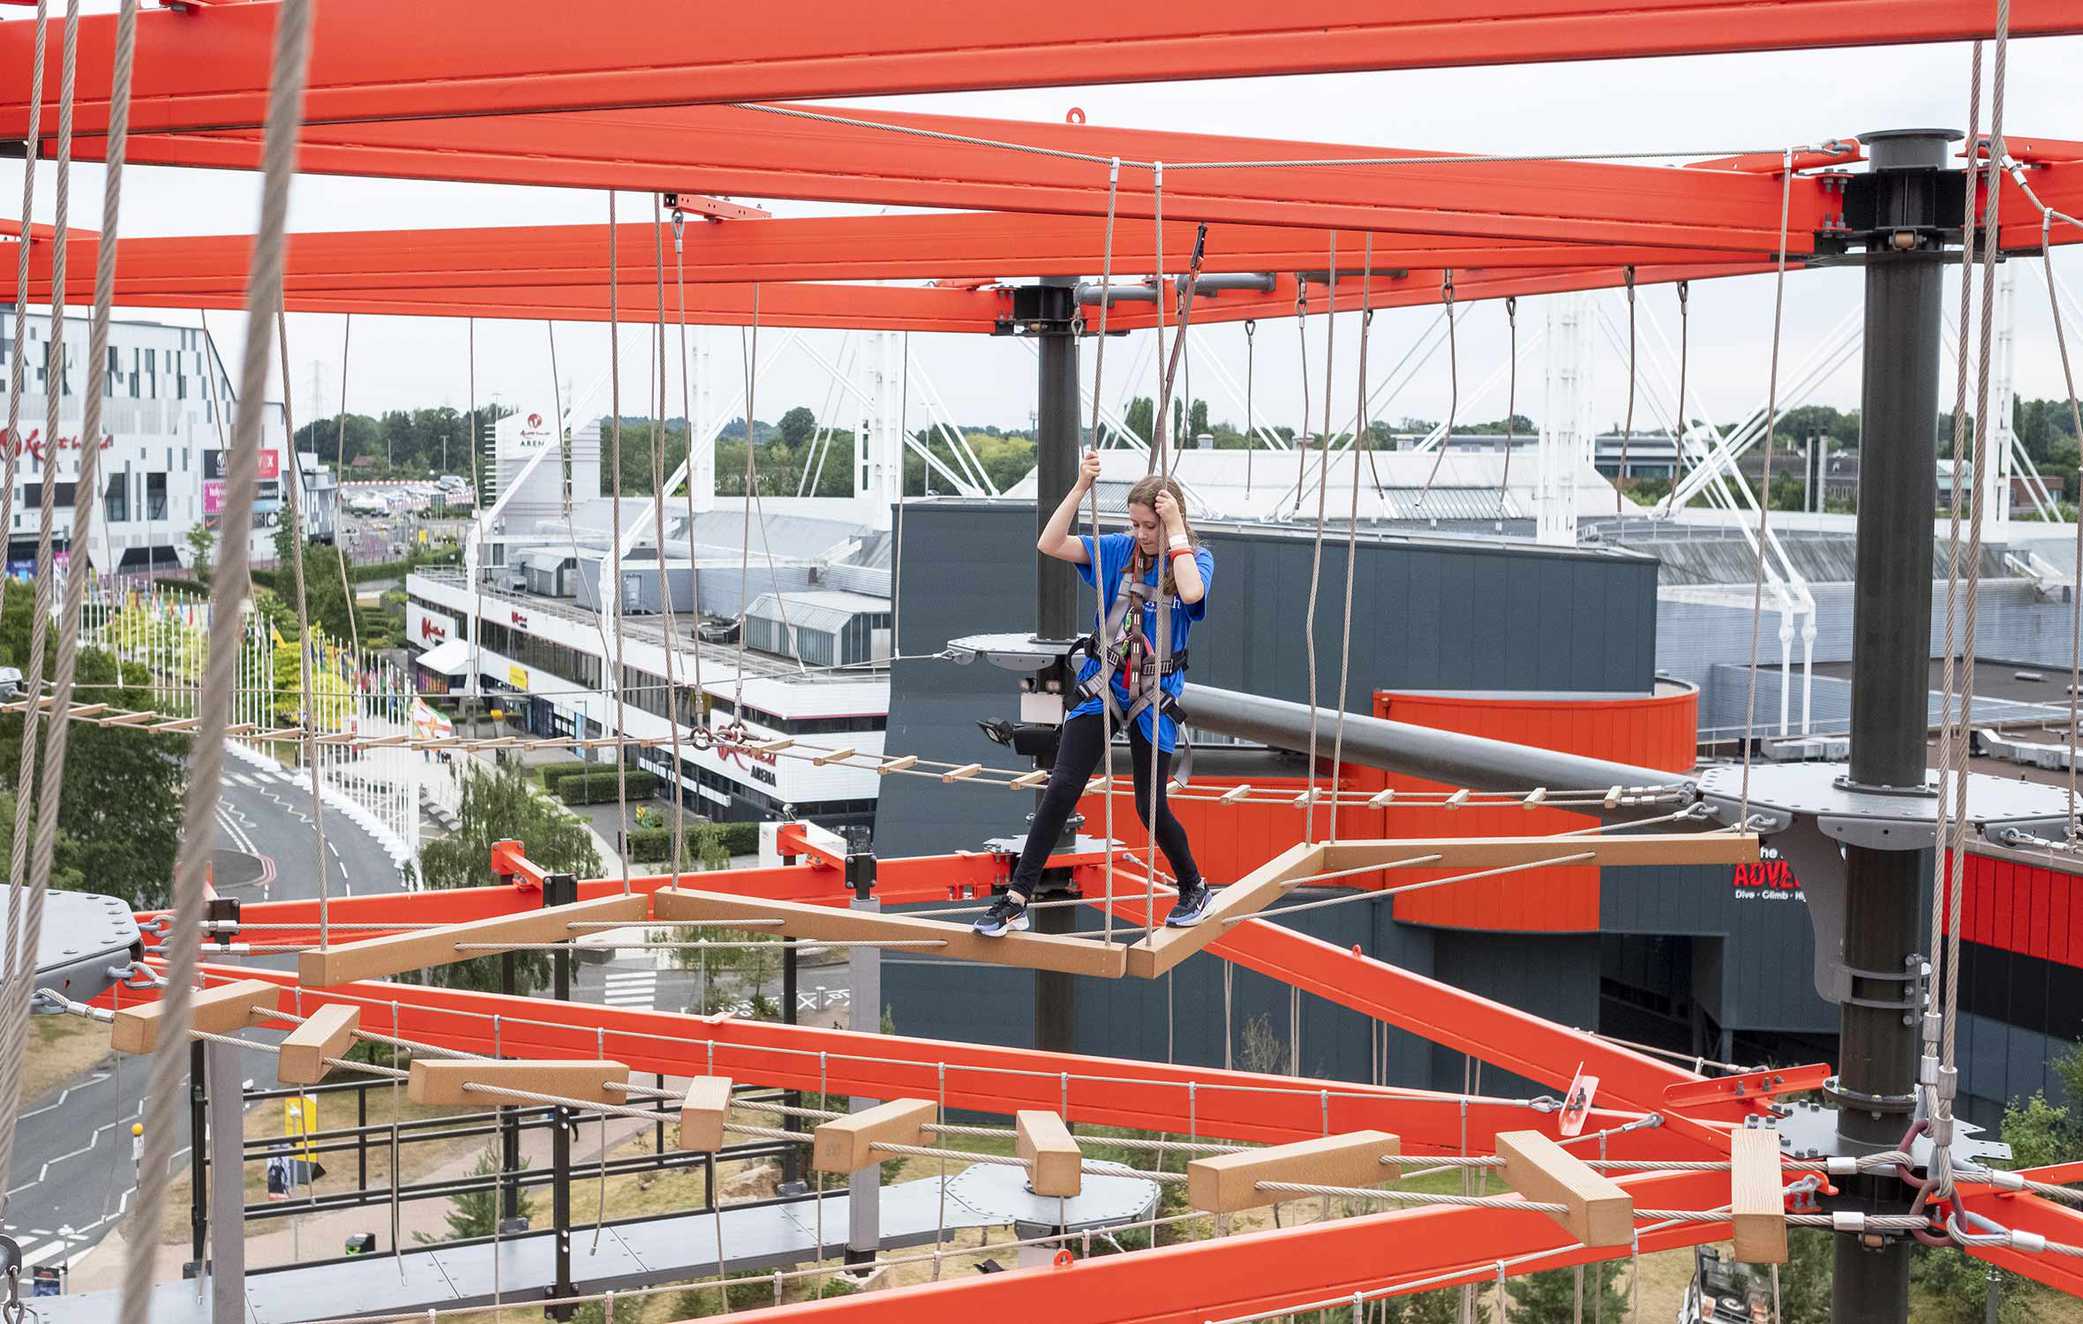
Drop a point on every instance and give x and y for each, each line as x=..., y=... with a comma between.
x=447, y=1081
x=1596, y=1210
x=1757, y=1196
x=1037, y=951
x=379, y=958
x=327, y=1032
x=1162, y=948
x=1055, y=1165
x=1227, y=1183
x=847, y=1144
x=218, y=1009
x=1619, y=850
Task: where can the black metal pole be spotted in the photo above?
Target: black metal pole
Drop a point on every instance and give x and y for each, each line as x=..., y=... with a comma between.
x=509, y=1118
x=198, y=1153
x=561, y=890
x=1891, y=631
x=1056, y=451
x=792, y=1161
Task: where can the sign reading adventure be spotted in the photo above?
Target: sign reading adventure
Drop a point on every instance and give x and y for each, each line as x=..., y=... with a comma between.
x=1770, y=879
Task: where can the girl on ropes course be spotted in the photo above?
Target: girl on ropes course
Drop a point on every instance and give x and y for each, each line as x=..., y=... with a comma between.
x=1121, y=670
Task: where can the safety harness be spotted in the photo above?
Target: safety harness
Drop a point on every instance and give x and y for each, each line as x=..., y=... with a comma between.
x=1128, y=654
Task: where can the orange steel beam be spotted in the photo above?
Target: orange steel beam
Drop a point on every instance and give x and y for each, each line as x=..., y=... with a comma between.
x=1275, y=1271
x=1150, y=1096
x=943, y=247
x=1518, y=1041
x=740, y=151
x=2031, y=1213
x=388, y=59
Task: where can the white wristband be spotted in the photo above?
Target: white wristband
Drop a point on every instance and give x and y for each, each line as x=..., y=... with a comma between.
x=1180, y=540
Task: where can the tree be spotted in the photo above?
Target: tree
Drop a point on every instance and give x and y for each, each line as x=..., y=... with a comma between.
x=1540, y=1297
x=476, y=1213
x=500, y=804
x=1954, y=1289
x=798, y=425
x=202, y=540
x=119, y=812
x=1142, y=416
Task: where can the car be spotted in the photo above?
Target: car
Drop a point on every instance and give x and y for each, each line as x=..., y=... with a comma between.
x=1724, y=1292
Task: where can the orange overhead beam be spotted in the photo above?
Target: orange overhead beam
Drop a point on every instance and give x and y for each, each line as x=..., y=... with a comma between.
x=383, y=59
x=747, y=152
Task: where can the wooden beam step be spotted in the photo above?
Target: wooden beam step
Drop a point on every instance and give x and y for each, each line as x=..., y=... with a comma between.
x=219, y=1009
x=437, y=1081
x=1163, y=947
x=845, y=1144
x=703, y=1110
x=1599, y=1212
x=327, y=1032
x=1757, y=1196
x=380, y=958
x=1227, y=1183
x=1055, y=1165
x=1619, y=849
x=1036, y=951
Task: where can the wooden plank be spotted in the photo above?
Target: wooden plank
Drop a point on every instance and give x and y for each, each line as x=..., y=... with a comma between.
x=437, y=1081
x=1599, y=1212
x=325, y=1033
x=843, y=1144
x=1054, y=1162
x=380, y=958
x=1619, y=849
x=219, y=1009
x=1227, y=1183
x=1038, y=951
x=1162, y=948
x=1757, y=1197
x=703, y=1110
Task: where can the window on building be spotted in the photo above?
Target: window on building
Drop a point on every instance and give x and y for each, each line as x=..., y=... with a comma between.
x=116, y=500
x=32, y=495
x=155, y=496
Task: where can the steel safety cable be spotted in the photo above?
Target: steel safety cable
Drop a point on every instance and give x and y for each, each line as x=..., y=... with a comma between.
x=16, y=975
x=1099, y=586
x=478, y=503
x=665, y=592
x=1932, y=1028
x=45, y=804
x=2068, y=376
x=354, y=629
x=1160, y=417
x=307, y=644
x=1352, y=532
x=1627, y=428
x=748, y=352
x=264, y=292
x=1316, y=552
x=1684, y=347
x=615, y=538
x=1511, y=404
x=1250, y=383
x=1302, y=356
x=1757, y=583
x=1985, y=428
x=1446, y=434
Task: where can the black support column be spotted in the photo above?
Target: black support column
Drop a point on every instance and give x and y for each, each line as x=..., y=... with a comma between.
x=561, y=889
x=1056, y=451
x=1897, y=209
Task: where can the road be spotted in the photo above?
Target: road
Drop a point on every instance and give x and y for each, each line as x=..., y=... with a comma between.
x=73, y=1176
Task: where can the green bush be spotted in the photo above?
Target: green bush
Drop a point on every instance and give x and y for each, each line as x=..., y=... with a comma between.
x=704, y=850
x=553, y=773
x=604, y=786
x=737, y=838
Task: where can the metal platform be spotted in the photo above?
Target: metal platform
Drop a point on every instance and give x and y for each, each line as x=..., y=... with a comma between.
x=643, y=1253
x=84, y=937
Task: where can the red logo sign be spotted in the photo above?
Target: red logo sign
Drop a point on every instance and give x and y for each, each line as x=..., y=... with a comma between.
x=429, y=630
x=1767, y=878
x=35, y=445
x=519, y=620
x=271, y=464
x=535, y=420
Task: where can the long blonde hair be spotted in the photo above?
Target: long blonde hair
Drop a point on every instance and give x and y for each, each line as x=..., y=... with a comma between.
x=1144, y=493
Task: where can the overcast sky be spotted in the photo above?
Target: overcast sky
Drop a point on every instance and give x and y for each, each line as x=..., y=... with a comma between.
x=1690, y=106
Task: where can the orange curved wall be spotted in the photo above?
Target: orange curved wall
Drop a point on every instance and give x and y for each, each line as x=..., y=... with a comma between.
x=1655, y=731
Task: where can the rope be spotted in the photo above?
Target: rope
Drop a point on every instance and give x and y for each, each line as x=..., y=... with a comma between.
x=354, y=628
x=1627, y=429
x=264, y=293
x=701, y=693
x=1757, y=583
x=1446, y=434
x=476, y=496
x=1316, y=553
x=615, y=535
x=20, y=960
x=1511, y=404
x=2068, y=376
x=1160, y=460
x=307, y=645
x=1099, y=590
x=1250, y=385
x=1352, y=531
x=672, y=629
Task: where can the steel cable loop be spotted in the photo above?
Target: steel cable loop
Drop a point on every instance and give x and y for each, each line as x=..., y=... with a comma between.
x=1948, y=729
x=1684, y=291
x=1159, y=461
x=1316, y=546
x=2068, y=376
x=1352, y=530
x=1627, y=428
x=307, y=645
x=264, y=292
x=1757, y=583
x=1511, y=403
x=354, y=629
x=700, y=730
x=615, y=539
x=1099, y=591
x=672, y=629
x=1446, y=434
x=20, y=963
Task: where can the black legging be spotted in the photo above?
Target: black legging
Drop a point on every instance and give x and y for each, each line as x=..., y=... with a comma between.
x=1076, y=757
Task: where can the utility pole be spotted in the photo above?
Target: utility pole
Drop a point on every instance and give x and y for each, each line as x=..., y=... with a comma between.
x=1896, y=211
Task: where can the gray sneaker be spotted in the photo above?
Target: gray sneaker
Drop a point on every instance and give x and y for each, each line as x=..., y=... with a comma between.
x=1191, y=907
x=1008, y=914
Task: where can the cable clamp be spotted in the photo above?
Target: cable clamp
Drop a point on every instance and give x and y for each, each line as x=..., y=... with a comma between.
x=1840, y=1165
x=2032, y=1243
x=1847, y=1220
x=1927, y=1071
x=2006, y=1181
x=1949, y=1083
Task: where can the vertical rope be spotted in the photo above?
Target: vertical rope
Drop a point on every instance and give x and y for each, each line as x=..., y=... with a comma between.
x=1157, y=462
x=1627, y=429
x=354, y=628
x=1352, y=533
x=672, y=629
x=701, y=695
x=264, y=292
x=477, y=621
x=307, y=646
x=20, y=964
x=1511, y=403
x=1250, y=384
x=2068, y=376
x=1099, y=586
x=749, y=351
x=1757, y=585
x=1446, y=434
x=1316, y=556
x=615, y=538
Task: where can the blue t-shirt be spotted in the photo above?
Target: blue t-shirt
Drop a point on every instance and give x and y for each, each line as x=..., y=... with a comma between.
x=1116, y=551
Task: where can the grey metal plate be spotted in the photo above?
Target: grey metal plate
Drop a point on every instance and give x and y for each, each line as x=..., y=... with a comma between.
x=1014, y=652
x=998, y=1193
x=1883, y=820
x=84, y=934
